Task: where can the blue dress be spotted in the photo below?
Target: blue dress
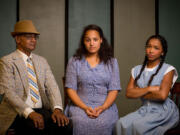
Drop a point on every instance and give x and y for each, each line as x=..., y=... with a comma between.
x=153, y=117
x=92, y=86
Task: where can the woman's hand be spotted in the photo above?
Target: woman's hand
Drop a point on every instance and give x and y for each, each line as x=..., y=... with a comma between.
x=94, y=113
x=99, y=110
x=90, y=112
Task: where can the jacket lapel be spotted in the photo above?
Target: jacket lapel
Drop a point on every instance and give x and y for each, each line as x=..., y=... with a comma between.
x=21, y=67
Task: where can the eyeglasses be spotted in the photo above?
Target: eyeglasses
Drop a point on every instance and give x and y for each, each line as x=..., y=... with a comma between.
x=31, y=36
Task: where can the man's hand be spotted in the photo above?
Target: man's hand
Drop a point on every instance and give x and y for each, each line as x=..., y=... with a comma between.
x=37, y=120
x=59, y=118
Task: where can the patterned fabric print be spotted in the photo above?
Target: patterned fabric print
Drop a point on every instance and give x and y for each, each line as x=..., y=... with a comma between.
x=153, y=117
x=92, y=86
x=32, y=81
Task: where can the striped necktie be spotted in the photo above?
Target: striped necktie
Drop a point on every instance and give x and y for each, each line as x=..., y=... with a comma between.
x=32, y=81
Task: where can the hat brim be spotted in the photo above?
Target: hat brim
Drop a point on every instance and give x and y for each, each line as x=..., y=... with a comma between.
x=13, y=34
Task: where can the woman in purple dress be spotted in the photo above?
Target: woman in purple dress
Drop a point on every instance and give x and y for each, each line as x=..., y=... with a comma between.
x=93, y=82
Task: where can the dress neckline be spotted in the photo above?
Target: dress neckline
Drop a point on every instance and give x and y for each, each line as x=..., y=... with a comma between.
x=89, y=66
x=151, y=69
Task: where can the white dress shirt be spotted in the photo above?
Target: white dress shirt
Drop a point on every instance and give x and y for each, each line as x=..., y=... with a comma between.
x=28, y=101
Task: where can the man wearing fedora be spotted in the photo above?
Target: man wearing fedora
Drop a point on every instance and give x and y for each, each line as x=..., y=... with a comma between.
x=32, y=102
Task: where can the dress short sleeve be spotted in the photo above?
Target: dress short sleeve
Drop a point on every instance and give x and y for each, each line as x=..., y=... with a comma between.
x=170, y=68
x=135, y=71
x=71, y=74
x=114, y=83
x=132, y=73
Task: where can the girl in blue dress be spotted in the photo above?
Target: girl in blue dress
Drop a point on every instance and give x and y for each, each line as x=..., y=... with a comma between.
x=92, y=81
x=151, y=82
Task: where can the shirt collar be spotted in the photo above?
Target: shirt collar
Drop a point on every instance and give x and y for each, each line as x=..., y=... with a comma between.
x=23, y=55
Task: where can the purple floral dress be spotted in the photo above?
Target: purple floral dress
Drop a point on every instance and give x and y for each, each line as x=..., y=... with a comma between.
x=92, y=86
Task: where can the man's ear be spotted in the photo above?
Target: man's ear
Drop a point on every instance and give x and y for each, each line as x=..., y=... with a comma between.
x=17, y=39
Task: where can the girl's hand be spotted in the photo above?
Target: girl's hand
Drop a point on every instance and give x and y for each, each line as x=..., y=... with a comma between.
x=153, y=88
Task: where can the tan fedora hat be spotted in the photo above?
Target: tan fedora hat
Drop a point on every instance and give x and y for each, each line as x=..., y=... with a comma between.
x=24, y=26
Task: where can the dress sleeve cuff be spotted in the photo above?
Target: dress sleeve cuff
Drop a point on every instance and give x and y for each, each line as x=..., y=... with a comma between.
x=170, y=68
x=132, y=73
x=27, y=111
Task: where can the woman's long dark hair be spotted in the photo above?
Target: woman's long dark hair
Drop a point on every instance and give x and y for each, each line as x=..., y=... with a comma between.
x=105, y=52
x=165, y=48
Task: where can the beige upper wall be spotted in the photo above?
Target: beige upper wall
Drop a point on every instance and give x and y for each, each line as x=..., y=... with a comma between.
x=49, y=18
x=134, y=22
